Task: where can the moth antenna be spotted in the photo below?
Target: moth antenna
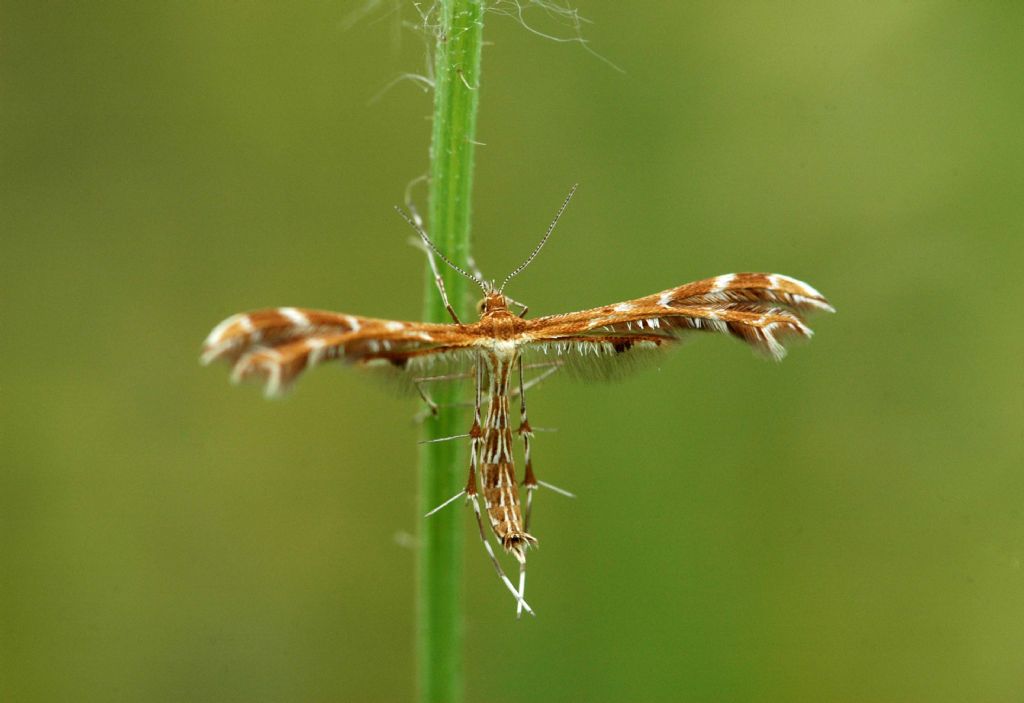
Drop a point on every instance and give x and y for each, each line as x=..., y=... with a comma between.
x=433, y=247
x=551, y=228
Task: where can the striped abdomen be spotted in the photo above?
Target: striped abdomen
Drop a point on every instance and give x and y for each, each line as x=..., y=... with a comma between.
x=500, y=490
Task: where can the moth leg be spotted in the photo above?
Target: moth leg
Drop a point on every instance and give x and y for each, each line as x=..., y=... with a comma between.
x=438, y=281
x=543, y=364
x=444, y=377
x=523, y=308
x=432, y=407
x=443, y=439
x=422, y=415
x=440, y=289
x=529, y=480
x=471, y=491
x=449, y=501
x=539, y=378
x=521, y=604
x=553, y=487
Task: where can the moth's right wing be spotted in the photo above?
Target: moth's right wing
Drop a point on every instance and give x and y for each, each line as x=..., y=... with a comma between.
x=762, y=309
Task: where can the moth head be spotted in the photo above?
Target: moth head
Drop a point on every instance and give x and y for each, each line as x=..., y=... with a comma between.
x=492, y=302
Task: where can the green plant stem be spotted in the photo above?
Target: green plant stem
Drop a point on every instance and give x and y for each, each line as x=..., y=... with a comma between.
x=443, y=465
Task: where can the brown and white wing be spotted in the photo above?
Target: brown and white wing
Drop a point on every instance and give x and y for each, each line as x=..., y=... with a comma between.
x=276, y=345
x=762, y=309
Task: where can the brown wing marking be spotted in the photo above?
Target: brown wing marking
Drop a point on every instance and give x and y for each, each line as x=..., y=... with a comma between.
x=278, y=344
x=239, y=333
x=762, y=309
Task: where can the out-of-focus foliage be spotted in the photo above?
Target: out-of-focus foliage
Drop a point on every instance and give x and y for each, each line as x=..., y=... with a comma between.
x=845, y=526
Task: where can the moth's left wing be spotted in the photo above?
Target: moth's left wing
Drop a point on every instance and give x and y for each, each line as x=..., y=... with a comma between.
x=276, y=345
x=762, y=309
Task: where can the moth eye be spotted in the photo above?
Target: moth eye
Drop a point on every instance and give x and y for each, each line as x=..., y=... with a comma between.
x=480, y=306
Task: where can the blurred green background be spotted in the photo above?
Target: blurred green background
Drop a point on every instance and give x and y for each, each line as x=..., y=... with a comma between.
x=845, y=526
